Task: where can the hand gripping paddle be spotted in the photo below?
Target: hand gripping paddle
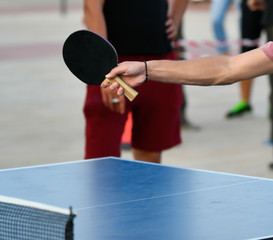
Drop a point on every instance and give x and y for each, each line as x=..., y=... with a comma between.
x=90, y=57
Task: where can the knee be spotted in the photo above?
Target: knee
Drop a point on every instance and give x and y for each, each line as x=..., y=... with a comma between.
x=147, y=156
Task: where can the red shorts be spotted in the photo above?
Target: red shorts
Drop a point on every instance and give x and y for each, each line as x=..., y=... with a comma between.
x=156, y=118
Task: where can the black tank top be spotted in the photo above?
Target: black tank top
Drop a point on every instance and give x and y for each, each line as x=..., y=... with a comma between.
x=268, y=13
x=137, y=27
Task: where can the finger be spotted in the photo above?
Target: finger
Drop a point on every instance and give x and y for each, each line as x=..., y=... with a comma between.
x=107, y=98
x=105, y=84
x=114, y=86
x=104, y=97
x=172, y=36
x=122, y=105
x=114, y=72
x=118, y=104
x=113, y=102
x=169, y=22
x=120, y=91
x=109, y=103
x=170, y=29
x=171, y=33
x=116, y=107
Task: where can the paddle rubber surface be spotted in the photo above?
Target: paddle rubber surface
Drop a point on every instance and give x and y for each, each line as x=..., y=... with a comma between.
x=89, y=56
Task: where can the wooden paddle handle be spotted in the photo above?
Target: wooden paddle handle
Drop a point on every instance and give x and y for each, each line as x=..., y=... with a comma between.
x=129, y=92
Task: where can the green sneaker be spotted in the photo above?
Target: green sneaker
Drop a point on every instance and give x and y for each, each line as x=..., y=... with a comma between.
x=239, y=109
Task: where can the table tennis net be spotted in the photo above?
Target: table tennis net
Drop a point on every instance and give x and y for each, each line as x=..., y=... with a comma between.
x=24, y=220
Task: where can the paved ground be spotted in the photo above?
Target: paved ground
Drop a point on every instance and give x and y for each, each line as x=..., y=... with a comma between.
x=41, y=102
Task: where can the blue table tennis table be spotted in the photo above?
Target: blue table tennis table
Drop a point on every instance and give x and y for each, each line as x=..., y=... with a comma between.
x=117, y=199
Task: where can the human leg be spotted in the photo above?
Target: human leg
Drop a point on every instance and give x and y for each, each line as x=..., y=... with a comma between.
x=251, y=28
x=156, y=121
x=147, y=156
x=242, y=106
x=218, y=13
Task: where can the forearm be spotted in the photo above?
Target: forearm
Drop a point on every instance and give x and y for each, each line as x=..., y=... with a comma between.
x=205, y=71
x=177, y=9
x=212, y=70
x=93, y=16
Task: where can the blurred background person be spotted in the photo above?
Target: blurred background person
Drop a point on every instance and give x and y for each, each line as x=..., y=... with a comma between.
x=251, y=27
x=140, y=31
x=219, y=9
x=267, y=21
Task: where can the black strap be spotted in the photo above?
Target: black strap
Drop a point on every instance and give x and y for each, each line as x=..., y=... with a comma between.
x=146, y=69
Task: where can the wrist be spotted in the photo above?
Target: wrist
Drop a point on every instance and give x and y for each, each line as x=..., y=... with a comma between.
x=146, y=71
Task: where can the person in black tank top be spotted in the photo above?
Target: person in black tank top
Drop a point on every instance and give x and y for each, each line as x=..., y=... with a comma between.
x=139, y=30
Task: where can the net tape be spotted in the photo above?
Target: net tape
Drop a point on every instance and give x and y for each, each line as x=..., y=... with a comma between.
x=25, y=220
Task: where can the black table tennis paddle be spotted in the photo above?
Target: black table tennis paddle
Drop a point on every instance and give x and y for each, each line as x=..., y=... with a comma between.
x=90, y=57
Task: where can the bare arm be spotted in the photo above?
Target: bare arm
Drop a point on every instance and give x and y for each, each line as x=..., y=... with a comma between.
x=212, y=70
x=176, y=11
x=94, y=20
x=205, y=71
x=250, y=65
x=93, y=16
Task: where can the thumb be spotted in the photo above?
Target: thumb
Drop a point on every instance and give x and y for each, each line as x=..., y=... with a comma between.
x=113, y=73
